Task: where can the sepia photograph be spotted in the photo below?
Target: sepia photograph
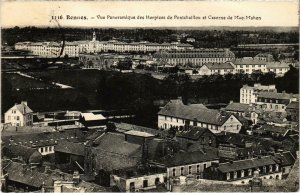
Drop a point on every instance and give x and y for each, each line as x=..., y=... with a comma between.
x=149, y=96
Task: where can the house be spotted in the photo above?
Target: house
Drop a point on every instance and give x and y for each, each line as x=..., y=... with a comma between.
x=248, y=65
x=264, y=57
x=138, y=137
x=19, y=115
x=20, y=177
x=91, y=120
x=110, y=152
x=275, y=132
x=286, y=160
x=291, y=143
x=176, y=114
x=196, y=135
x=186, y=163
x=239, y=109
x=292, y=111
x=274, y=101
x=138, y=180
x=242, y=171
x=45, y=142
x=70, y=155
x=248, y=94
x=22, y=153
x=279, y=68
x=217, y=68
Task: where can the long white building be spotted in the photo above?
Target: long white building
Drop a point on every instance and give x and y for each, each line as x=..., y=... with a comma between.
x=194, y=57
x=72, y=49
x=248, y=94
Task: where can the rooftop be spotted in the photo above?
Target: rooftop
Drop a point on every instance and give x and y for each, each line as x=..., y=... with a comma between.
x=139, y=133
x=193, y=133
x=175, y=108
x=240, y=107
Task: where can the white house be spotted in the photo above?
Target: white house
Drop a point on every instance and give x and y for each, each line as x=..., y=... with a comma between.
x=176, y=114
x=19, y=115
x=217, y=68
x=248, y=94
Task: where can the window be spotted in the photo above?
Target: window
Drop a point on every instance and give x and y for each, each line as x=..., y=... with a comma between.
x=198, y=168
x=145, y=183
x=190, y=169
x=42, y=149
x=224, y=127
x=249, y=172
x=235, y=174
x=270, y=168
x=228, y=176
x=242, y=173
x=204, y=166
x=18, y=118
x=174, y=172
x=181, y=171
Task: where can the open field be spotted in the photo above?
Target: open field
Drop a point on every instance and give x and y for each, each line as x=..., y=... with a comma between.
x=19, y=82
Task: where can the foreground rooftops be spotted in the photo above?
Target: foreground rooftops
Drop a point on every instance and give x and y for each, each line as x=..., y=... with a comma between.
x=175, y=108
x=276, y=95
x=240, y=107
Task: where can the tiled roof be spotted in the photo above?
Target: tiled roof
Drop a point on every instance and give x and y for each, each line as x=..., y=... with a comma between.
x=22, y=174
x=115, y=143
x=240, y=140
x=274, y=129
x=70, y=148
x=248, y=61
x=246, y=164
x=175, y=108
x=284, y=158
x=193, y=133
x=277, y=65
x=113, y=152
x=276, y=95
x=216, y=66
x=293, y=105
x=23, y=108
x=29, y=155
x=185, y=158
x=123, y=127
x=240, y=107
x=45, y=139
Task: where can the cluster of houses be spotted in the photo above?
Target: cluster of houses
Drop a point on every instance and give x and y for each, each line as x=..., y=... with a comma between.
x=238, y=144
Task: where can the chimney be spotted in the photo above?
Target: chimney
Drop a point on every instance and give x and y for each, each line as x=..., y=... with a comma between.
x=24, y=103
x=76, y=177
x=231, y=101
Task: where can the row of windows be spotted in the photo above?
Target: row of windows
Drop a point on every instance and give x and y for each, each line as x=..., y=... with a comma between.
x=182, y=173
x=46, y=149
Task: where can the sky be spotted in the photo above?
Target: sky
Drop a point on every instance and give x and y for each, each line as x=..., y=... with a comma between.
x=39, y=13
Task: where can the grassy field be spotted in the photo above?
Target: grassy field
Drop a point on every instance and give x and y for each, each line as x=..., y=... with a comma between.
x=81, y=79
x=19, y=82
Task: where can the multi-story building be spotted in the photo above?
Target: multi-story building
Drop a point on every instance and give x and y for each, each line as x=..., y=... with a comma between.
x=249, y=65
x=72, y=49
x=50, y=49
x=176, y=114
x=19, y=115
x=248, y=94
x=217, y=68
x=194, y=57
x=265, y=57
x=242, y=171
x=101, y=61
x=279, y=68
x=273, y=101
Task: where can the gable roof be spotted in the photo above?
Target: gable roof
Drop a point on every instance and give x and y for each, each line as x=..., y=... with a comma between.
x=70, y=148
x=185, y=158
x=175, y=108
x=284, y=158
x=293, y=105
x=193, y=133
x=138, y=133
x=246, y=164
x=22, y=107
x=277, y=65
x=124, y=127
x=92, y=117
x=239, y=107
x=276, y=95
x=218, y=66
x=275, y=129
